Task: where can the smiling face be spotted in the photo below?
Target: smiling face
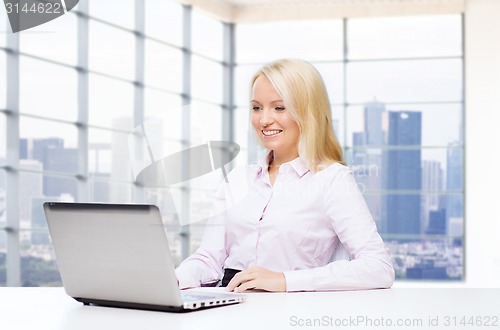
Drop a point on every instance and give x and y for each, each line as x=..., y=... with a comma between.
x=277, y=130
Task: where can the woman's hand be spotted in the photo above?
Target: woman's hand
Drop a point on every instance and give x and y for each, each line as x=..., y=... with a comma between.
x=257, y=278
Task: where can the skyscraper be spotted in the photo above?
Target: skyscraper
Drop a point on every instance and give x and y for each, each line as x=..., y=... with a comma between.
x=359, y=151
x=373, y=123
x=120, y=161
x=432, y=180
x=454, y=181
x=60, y=160
x=367, y=156
x=30, y=186
x=99, y=171
x=23, y=148
x=54, y=157
x=403, y=173
x=437, y=223
x=39, y=147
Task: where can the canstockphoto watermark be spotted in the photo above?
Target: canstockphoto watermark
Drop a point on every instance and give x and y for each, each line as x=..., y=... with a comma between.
x=25, y=14
x=430, y=321
x=354, y=321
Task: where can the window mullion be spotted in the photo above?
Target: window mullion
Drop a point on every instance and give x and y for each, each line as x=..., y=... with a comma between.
x=83, y=96
x=186, y=121
x=12, y=174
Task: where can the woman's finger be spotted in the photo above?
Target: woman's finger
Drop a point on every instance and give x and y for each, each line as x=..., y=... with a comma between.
x=238, y=279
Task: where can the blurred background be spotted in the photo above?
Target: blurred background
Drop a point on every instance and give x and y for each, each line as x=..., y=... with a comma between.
x=411, y=84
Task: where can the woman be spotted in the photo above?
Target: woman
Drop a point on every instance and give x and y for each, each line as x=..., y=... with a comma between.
x=276, y=225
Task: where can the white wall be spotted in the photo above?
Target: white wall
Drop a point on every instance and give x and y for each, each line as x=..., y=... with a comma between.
x=482, y=134
x=251, y=11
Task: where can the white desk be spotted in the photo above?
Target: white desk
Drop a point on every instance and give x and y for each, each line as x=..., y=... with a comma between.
x=50, y=308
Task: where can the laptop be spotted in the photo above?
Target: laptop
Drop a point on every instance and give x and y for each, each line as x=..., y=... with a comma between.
x=118, y=255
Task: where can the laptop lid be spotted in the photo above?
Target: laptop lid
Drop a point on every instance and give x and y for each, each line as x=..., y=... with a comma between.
x=111, y=252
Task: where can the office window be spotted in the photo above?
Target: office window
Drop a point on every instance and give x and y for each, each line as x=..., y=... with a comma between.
x=202, y=27
x=111, y=102
x=242, y=90
x=405, y=37
x=56, y=98
x=119, y=12
x=243, y=127
x=104, y=191
x=39, y=188
x=332, y=74
x=48, y=140
x=55, y=40
x=3, y=77
x=382, y=172
x=397, y=108
x=111, y=50
x=405, y=81
x=404, y=137
x=108, y=153
x=441, y=124
x=3, y=236
x=3, y=258
x=164, y=21
x=47, y=135
x=99, y=157
x=309, y=40
x=2, y=197
x=39, y=154
x=4, y=28
x=38, y=262
x=243, y=132
x=3, y=139
x=164, y=105
x=451, y=267
x=338, y=118
x=206, y=80
x=163, y=66
x=208, y=121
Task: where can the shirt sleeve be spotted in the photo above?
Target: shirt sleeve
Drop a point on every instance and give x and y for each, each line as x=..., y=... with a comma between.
x=205, y=264
x=370, y=266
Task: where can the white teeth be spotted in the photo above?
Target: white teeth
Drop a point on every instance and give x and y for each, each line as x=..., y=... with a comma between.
x=269, y=133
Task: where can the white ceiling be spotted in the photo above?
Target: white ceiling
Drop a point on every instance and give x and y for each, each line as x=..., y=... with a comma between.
x=256, y=3
x=248, y=11
x=285, y=2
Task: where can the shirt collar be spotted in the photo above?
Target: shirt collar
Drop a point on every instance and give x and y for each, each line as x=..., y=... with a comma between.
x=298, y=164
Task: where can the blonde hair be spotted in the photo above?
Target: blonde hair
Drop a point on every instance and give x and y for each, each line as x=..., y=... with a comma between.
x=303, y=91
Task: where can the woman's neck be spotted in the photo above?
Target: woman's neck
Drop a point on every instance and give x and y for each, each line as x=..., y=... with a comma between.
x=277, y=160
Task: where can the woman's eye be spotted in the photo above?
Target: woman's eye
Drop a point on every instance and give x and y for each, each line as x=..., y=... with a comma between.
x=255, y=108
x=279, y=108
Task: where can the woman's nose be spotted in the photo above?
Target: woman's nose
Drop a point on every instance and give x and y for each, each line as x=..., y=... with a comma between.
x=266, y=118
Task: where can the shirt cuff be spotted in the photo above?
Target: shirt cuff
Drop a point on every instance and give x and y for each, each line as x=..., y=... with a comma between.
x=186, y=281
x=299, y=280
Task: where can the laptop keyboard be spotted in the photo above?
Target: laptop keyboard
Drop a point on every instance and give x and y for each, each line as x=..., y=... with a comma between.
x=195, y=297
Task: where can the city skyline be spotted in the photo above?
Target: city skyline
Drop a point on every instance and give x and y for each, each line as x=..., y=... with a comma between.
x=417, y=194
x=385, y=156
